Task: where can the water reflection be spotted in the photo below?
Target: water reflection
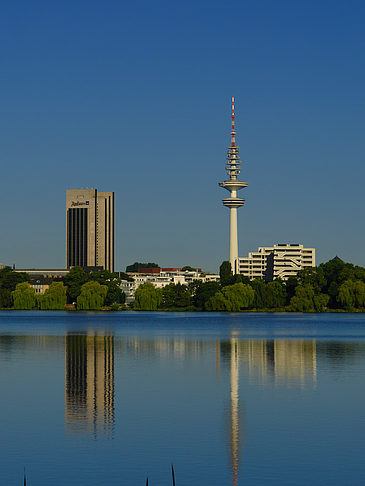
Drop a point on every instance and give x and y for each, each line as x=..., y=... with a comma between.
x=179, y=348
x=234, y=422
x=89, y=372
x=286, y=362
x=89, y=383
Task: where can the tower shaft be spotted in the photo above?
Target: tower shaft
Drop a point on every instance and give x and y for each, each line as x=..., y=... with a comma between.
x=233, y=239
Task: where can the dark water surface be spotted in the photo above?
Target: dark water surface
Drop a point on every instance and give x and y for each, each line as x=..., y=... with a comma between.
x=242, y=399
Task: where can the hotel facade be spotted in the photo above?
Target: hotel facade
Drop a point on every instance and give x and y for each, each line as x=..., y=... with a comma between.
x=90, y=228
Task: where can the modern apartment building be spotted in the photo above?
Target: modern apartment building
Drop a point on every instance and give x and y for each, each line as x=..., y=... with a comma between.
x=278, y=261
x=90, y=228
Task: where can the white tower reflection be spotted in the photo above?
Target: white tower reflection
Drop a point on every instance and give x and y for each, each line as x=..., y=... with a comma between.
x=281, y=362
x=234, y=441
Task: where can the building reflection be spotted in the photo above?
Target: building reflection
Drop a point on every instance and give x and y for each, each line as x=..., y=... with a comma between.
x=89, y=384
x=287, y=362
x=89, y=374
x=282, y=361
x=163, y=347
x=295, y=362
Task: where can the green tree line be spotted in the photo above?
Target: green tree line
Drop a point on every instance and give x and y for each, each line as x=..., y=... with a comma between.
x=89, y=291
x=334, y=285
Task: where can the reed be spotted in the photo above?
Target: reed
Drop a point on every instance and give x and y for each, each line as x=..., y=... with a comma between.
x=173, y=476
x=172, y=473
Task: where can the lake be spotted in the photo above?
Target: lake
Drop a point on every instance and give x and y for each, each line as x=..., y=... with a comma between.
x=229, y=399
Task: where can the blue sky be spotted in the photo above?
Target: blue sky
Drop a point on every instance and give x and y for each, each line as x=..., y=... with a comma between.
x=134, y=97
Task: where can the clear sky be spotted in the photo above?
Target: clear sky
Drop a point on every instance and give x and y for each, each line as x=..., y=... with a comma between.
x=134, y=97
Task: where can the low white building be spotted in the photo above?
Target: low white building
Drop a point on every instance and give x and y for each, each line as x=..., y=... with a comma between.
x=278, y=261
x=160, y=280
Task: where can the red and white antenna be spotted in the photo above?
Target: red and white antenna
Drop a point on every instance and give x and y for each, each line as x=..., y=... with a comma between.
x=233, y=132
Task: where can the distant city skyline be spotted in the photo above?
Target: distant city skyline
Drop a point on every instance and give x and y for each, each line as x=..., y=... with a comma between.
x=135, y=98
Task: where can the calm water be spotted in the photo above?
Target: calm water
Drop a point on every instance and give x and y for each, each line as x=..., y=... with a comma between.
x=241, y=399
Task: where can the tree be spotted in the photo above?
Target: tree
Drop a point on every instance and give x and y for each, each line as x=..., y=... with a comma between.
x=313, y=276
x=147, y=297
x=115, y=294
x=320, y=302
x=202, y=292
x=74, y=280
x=239, y=278
x=238, y=296
x=270, y=295
x=359, y=273
x=303, y=299
x=275, y=294
x=225, y=273
x=92, y=296
x=332, y=269
x=176, y=295
x=332, y=291
x=359, y=291
x=290, y=286
x=112, y=281
x=24, y=296
x=54, y=297
x=259, y=287
x=5, y=299
x=188, y=268
x=336, y=272
x=231, y=298
x=351, y=294
x=194, y=286
x=346, y=297
x=115, y=307
x=9, y=279
x=217, y=303
x=136, y=265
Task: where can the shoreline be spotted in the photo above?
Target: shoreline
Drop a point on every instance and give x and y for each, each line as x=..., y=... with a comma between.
x=246, y=311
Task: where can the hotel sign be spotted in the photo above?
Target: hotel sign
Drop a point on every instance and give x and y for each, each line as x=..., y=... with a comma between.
x=79, y=203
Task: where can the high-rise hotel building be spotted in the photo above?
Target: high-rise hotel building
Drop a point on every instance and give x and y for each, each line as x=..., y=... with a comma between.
x=90, y=228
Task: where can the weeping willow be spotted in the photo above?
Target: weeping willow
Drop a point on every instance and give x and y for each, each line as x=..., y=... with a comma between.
x=92, y=296
x=147, y=297
x=54, y=297
x=24, y=297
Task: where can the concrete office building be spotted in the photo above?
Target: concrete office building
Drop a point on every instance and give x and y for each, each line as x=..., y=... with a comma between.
x=278, y=261
x=90, y=228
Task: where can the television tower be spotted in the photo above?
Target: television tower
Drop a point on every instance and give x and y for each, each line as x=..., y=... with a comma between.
x=233, y=185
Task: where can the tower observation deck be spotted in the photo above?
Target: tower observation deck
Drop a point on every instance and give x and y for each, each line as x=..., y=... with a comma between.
x=233, y=167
